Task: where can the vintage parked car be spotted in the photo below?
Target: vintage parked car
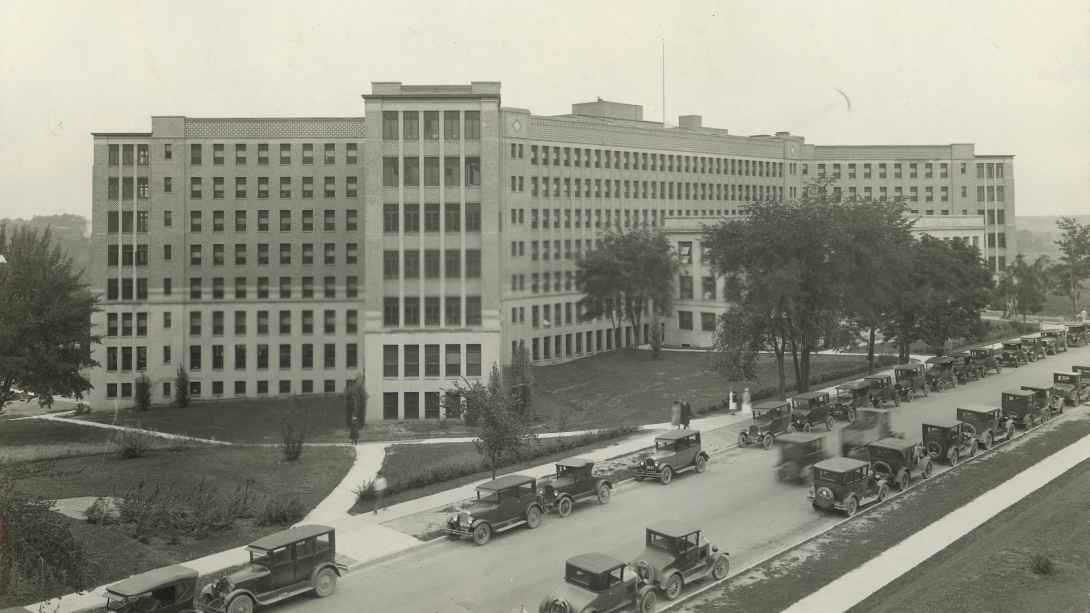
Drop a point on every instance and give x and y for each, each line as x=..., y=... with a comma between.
x=1014, y=353
x=1045, y=398
x=502, y=504
x=988, y=422
x=575, y=481
x=595, y=582
x=676, y=554
x=798, y=454
x=849, y=397
x=1034, y=347
x=1069, y=386
x=870, y=425
x=166, y=590
x=1078, y=333
x=770, y=419
x=965, y=366
x=1059, y=338
x=941, y=372
x=281, y=565
x=845, y=484
x=949, y=439
x=986, y=357
x=1021, y=407
x=675, y=451
x=882, y=391
x=811, y=409
x=911, y=380
x=894, y=459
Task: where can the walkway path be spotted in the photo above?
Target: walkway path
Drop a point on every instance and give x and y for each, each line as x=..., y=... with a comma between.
x=854, y=587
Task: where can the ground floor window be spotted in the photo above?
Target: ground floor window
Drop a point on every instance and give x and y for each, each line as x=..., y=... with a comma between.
x=389, y=405
x=412, y=405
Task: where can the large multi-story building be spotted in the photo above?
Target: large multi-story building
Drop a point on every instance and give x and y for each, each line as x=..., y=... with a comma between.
x=429, y=241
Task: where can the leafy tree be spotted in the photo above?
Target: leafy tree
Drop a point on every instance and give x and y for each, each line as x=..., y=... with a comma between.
x=1025, y=284
x=1073, y=267
x=945, y=286
x=629, y=274
x=520, y=377
x=739, y=338
x=295, y=426
x=37, y=548
x=355, y=401
x=45, y=319
x=181, y=387
x=141, y=393
x=503, y=433
x=656, y=338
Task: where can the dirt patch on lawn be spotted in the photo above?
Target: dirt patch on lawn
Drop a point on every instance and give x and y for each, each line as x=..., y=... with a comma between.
x=779, y=582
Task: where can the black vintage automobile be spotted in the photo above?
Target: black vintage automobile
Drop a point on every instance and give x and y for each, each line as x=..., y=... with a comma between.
x=849, y=397
x=941, y=372
x=986, y=357
x=894, y=459
x=949, y=440
x=798, y=454
x=1014, y=354
x=770, y=419
x=965, y=365
x=502, y=504
x=811, y=409
x=1035, y=346
x=988, y=422
x=1069, y=386
x=596, y=582
x=675, y=554
x=911, y=380
x=675, y=451
x=1058, y=339
x=575, y=480
x=1078, y=333
x=845, y=484
x=882, y=391
x=164, y=590
x=1020, y=406
x=1044, y=397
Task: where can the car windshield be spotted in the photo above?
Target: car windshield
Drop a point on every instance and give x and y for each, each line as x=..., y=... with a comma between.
x=876, y=383
x=488, y=497
x=1064, y=379
x=566, y=472
x=762, y=414
x=132, y=603
x=843, y=392
x=259, y=559
x=884, y=454
x=970, y=416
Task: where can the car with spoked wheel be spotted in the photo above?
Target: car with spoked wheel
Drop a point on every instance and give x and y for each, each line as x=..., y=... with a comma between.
x=811, y=409
x=894, y=459
x=949, y=440
x=882, y=391
x=501, y=504
x=675, y=554
x=770, y=419
x=988, y=422
x=1069, y=386
x=1014, y=354
x=987, y=358
x=941, y=373
x=1078, y=333
x=850, y=397
x=845, y=484
x=282, y=565
x=575, y=480
x=1035, y=347
x=675, y=451
x=171, y=589
x=911, y=380
x=1022, y=407
x=597, y=583
x=1057, y=339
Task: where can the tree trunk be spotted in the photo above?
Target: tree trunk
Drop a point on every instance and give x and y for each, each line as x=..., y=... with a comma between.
x=870, y=352
x=795, y=362
x=779, y=347
x=804, y=369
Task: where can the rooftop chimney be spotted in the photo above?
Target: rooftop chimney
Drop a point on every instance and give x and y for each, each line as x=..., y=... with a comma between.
x=690, y=122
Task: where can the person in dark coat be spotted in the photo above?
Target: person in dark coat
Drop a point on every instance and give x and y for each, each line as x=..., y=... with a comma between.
x=354, y=431
x=686, y=414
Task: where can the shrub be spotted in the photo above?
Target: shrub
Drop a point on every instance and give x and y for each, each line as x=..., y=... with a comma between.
x=1041, y=564
x=294, y=428
x=102, y=512
x=141, y=394
x=157, y=510
x=282, y=511
x=132, y=443
x=83, y=408
x=181, y=387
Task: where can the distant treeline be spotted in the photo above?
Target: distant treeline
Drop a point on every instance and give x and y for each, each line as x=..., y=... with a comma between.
x=71, y=232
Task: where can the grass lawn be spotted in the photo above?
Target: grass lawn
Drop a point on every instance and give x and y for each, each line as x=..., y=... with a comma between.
x=27, y=440
x=310, y=479
x=628, y=386
x=254, y=420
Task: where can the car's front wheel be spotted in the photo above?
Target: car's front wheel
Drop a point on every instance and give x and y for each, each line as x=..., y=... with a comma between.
x=533, y=518
x=927, y=468
x=481, y=534
x=954, y=457
x=647, y=605
x=940, y=385
x=564, y=507
x=926, y=390
x=829, y=423
x=604, y=493
x=240, y=604
x=721, y=568
x=910, y=395
x=852, y=506
x=851, y=415
x=767, y=441
x=743, y=440
x=325, y=583
x=673, y=586
x=988, y=440
x=667, y=475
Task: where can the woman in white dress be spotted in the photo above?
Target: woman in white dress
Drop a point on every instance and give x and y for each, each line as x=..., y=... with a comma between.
x=747, y=406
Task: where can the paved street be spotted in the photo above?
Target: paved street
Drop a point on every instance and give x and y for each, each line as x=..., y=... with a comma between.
x=738, y=502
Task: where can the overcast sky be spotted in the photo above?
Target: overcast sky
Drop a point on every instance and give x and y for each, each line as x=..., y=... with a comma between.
x=1011, y=77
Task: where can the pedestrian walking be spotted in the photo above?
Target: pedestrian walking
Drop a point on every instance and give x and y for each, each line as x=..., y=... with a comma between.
x=732, y=402
x=354, y=431
x=675, y=414
x=746, y=405
x=686, y=414
x=379, y=487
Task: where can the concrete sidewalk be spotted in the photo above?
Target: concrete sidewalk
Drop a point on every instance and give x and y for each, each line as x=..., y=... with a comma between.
x=854, y=587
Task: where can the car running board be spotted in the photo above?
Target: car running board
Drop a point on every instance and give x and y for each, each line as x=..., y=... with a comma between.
x=509, y=526
x=283, y=595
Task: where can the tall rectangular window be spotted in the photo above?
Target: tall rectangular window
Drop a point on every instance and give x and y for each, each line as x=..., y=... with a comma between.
x=473, y=125
x=431, y=360
x=389, y=125
x=389, y=360
x=453, y=361
x=412, y=360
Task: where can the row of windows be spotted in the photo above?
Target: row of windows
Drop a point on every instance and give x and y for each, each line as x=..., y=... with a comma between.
x=989, y=170
x=329, y=254
x=393, y=366
x=685, y=321
x=411, y=400
x=219, y=187
x=561, y=345
x=611, y=217
x=123, y=221
x=406, y=217
x=121, y=358
x=644, y=190
x=452, y=264
x=450, y=128
x=261, y=319
x=241, y=287
x=329, y=153
x=654, y=162
x=409, y=171
x=329, y=386
x=449, y=307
